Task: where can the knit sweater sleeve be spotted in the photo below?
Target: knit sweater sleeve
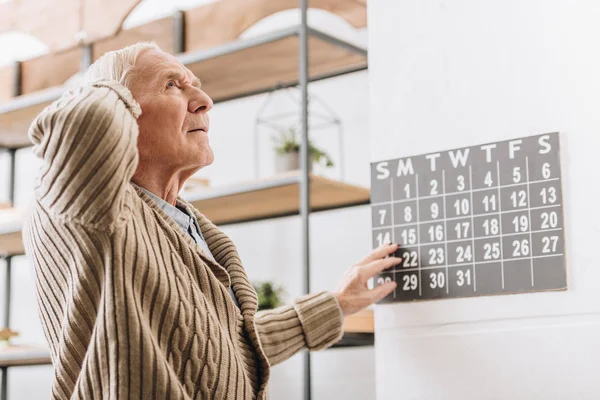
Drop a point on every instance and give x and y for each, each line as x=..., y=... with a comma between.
x=314, y=321
x=87, y=143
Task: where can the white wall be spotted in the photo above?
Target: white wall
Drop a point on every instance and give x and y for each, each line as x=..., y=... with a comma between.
x=452, y=73
x=270, y=249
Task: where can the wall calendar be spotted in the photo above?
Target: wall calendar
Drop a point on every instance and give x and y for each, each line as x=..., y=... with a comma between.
x=474, y=221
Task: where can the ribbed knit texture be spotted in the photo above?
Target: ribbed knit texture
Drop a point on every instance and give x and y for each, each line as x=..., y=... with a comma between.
x=130, y=305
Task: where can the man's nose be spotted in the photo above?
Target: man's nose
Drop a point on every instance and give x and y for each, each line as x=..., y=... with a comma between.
x=199, y=102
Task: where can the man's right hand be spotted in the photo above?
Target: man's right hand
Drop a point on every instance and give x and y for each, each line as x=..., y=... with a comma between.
x=353, y=293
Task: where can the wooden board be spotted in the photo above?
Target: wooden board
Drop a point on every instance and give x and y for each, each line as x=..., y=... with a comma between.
x=60, y=23
x=11, y=241
x=265, y=66
x=11, y=244
x=49, y=70
x=159, y=31
x=7, y=79
x=224, y=21
x=104, y=18
x=53, y=22
x=63, y=24
x=363, y=321
x=270, y=198
x=14, y=126
x=18, y=355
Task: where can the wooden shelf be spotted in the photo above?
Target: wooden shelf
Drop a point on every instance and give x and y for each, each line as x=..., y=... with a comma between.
x=11, y=240
x=355, y=339
x=361, y=322
x=17, y=115
x=274, y=197
x=17, y=355
x=251, y=201
x=237, y=69
x=258, y=65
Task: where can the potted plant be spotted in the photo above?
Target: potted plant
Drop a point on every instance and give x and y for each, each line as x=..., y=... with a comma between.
x=287, y=149
x=269, y=294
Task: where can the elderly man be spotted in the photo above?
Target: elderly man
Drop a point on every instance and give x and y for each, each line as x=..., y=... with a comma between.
x=139, y=294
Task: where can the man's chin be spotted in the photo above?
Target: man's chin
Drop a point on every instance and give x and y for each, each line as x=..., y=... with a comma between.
x=207, y=159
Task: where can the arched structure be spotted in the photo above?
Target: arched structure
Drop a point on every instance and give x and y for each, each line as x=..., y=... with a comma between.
x=62, y=24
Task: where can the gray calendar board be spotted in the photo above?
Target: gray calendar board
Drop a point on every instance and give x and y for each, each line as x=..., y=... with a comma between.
x=474, y=221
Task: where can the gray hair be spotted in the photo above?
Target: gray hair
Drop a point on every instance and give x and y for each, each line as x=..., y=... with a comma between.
x=117, y=65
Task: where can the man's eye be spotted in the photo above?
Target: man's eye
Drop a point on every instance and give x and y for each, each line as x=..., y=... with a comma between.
x=171, y=84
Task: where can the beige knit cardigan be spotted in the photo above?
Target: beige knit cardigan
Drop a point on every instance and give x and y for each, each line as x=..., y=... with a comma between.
x=130, y=305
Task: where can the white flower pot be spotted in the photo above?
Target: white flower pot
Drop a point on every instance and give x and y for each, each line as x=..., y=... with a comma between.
x=288, y=162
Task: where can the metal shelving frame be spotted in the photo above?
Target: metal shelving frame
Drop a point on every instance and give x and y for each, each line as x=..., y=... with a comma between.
x=303, y=31
x=8, y=271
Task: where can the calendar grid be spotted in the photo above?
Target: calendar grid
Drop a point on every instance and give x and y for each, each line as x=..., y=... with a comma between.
x=392, y=220
x=418, y=234
x=381, y=203
x=475, y=215
x=445, y=228
x=475, y=221
x=479, y=262
x=500, y=222
x=445, y=242
x=473, y=227
x=529, y=218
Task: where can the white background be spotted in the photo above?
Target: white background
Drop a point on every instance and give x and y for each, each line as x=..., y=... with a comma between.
x=447, y=74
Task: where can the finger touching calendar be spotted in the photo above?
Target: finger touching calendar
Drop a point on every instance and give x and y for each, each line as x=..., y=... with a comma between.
x=474, y=221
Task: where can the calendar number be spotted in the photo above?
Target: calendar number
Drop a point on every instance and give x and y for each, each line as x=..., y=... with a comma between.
x=436, y=256
x=521, y=223
x=434, y=187
x=409, y=236
x=548, y=195
x=491, y=226
x=463, y=277
x=383, y=238
x=517, y=174
x=381, y=280
x=436, y=233
x=410, y=259
x=464, y=254
x=411, y=282
x=460, y=183
x=407, y=214
x=519, y=199
x=549, y=220
x=437, y=280
x=491, y=251
x=549, y=244
x=489, y=203
x=435, y=210
x=488, y=179
x=461, y=206
x=382, y=216
x=546, y=173
x=462, y=229
x=520, y=248
x=407, y=190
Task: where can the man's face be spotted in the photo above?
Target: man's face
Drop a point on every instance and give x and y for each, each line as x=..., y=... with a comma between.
x=174, y=122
